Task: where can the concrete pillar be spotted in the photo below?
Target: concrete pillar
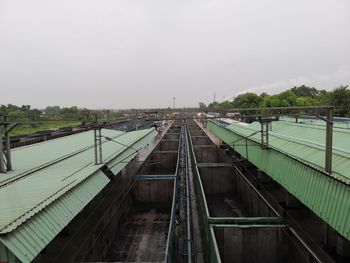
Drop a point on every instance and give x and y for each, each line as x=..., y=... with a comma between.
x=343, y=247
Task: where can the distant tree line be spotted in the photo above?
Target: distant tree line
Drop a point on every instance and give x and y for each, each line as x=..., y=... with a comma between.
x=297, y=96
x=25, y=113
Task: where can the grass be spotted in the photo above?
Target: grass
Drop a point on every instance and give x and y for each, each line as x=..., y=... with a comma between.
x=27, y=129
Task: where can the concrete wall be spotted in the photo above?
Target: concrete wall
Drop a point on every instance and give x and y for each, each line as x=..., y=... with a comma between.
x=171, y=136
x=254, y=203
x=196, y=132
x=160, y=163
x=154, y=191
x=216, y=180
x=106, y=230
x=256, y=244
x=144, y=193
x=201, y=140
x=208, y=154
x=168, y=146
x=225, y=180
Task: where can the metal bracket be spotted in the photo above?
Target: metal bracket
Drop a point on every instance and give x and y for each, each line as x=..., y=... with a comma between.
x=265, y=124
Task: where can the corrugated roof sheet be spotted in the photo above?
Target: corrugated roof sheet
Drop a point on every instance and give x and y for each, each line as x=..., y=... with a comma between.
x=35, y=156
x=306, y=143
x=343, y=123
x=48, y=174
x=28, y=240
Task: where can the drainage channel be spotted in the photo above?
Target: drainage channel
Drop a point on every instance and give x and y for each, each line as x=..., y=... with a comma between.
x=153, y=221
x=238, y=223
x=147, y=231
x=184, y=220
x=136, y=222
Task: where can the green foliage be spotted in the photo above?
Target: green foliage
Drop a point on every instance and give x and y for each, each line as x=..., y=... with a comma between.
x=296, y=96
x=247, y=100
x=52, y=117
x=28, y=129
x=304, y=91
x=341, y=97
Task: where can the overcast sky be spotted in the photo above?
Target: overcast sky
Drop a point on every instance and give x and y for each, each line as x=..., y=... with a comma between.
x=141, y=53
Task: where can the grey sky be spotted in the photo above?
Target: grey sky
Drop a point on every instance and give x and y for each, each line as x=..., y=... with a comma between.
x=141, y=53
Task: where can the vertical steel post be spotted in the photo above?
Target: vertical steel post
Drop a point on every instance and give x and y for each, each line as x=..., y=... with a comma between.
x=2, y=155
x=329, y=140
x=264, y=130
x=262, y=133
x=95, y=145
x=8, y=151
x=136, y=122
x=100, y=145
x=7, y=145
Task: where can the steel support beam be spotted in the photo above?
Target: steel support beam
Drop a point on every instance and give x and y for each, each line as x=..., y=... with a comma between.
x=329, y=140
x=100, y=144
x=2, y=154
x=95, y=146
x=8, y=152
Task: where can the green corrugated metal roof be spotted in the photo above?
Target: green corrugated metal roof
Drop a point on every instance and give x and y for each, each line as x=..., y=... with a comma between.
x=46, y=173
x=343, y=124
x=117, y=164
x=28, y=240
x=306, y=143
x=325, y=196
x=28, y=158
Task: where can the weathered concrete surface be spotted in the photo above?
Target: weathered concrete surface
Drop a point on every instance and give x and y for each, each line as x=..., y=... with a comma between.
x=229, y=194
x=201, y=140
x=160, y=163
x=154, y=191
x=256, y=244
x=171, y=136
x=142, y=238
x=168, y=145
x=208, y=154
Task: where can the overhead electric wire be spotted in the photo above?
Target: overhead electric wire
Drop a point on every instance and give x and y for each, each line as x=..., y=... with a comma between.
x=125, y=145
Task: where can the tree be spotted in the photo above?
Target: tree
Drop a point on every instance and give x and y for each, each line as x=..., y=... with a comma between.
x=52, y=110
x=16, y=115
x=70, y=113
x=296, y=96
x=247, y=100
x=214, y=105
x=340, y=97
x=304, y=91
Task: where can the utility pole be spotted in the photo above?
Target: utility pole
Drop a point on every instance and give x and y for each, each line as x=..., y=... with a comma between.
x=174, y=103
x=214, y=97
